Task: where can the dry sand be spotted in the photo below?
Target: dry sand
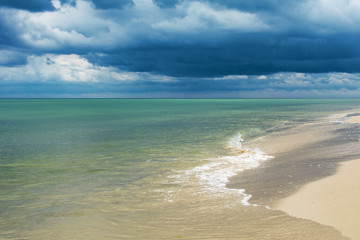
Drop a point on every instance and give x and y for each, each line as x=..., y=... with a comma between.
x=275, y=145
x=355, y=119
x=333, y=201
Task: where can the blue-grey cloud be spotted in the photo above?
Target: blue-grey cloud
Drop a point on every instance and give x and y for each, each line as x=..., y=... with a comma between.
x=12, y=58
x=109, y=4
x=180, y=45
x=195, y=39
x=166, y=3
x=297, y=85
x=245, y=54
x=76, y=72
x=31, y=5
x=246, y=5
x=103, y=4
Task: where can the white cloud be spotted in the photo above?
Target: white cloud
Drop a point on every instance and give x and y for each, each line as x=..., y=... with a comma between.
x=84, y=26
x=331, y=15
x=56, y=3
x=198, y=16
x=49, y=67
x=317, y=81
x=71, y=68
x=80, y=26
x=344, y=79
x=262, y=77
x=231, y=77
x=144, y=4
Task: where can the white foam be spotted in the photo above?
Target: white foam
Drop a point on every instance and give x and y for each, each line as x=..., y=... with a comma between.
x=236, y=141
x=338, y=122
x=214, y=175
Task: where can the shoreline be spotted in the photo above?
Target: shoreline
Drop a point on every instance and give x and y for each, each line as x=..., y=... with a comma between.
x=354, y=119
x=333, y=200
x=324, y=152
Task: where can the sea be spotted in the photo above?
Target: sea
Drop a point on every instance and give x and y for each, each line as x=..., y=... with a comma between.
x=145, y=168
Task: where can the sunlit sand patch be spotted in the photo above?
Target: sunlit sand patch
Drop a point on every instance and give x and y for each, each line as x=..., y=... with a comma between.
x=333, y=201
x=354, y=118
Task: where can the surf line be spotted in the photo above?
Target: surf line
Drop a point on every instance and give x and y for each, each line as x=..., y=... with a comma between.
x=214, y=175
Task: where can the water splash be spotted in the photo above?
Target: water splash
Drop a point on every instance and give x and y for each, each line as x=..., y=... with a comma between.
x=214, y=175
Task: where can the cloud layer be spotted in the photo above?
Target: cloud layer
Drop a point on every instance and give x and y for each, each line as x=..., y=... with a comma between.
x=182, y=45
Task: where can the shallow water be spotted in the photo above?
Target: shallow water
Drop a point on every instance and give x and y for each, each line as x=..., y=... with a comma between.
x=142, y=169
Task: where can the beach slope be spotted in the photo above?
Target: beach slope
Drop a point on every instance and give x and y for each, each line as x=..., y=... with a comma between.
x=333, y=201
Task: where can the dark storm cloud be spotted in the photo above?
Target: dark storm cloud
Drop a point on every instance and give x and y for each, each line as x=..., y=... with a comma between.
x=46, y=5
x=106, y=4
x=110, y=4
x=31, y=5
x=166, y=3
x=168, y=46
x=12, y=58
x=196, y=39
x=245, y=54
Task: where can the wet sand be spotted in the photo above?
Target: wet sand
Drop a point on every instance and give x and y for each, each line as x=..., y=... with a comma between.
x=333, y=201
x=314, y=174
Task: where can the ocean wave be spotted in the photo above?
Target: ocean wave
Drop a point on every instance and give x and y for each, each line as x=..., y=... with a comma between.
x=214, y=175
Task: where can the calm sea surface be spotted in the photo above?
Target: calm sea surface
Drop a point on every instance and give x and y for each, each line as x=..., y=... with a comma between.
x=139, y=169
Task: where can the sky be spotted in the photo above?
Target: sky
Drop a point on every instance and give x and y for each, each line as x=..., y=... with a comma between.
x=180, y=48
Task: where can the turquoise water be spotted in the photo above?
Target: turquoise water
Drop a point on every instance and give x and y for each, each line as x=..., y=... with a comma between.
x=100, y=168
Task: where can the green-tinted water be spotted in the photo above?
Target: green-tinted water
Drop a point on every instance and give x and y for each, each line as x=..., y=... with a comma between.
x=109, y=168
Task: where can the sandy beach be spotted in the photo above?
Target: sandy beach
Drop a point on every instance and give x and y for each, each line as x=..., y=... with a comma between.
x=313, y=175
x=355, y=119
x=332, y=201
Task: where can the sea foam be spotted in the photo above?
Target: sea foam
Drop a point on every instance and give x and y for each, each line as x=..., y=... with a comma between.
x=214, y=175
